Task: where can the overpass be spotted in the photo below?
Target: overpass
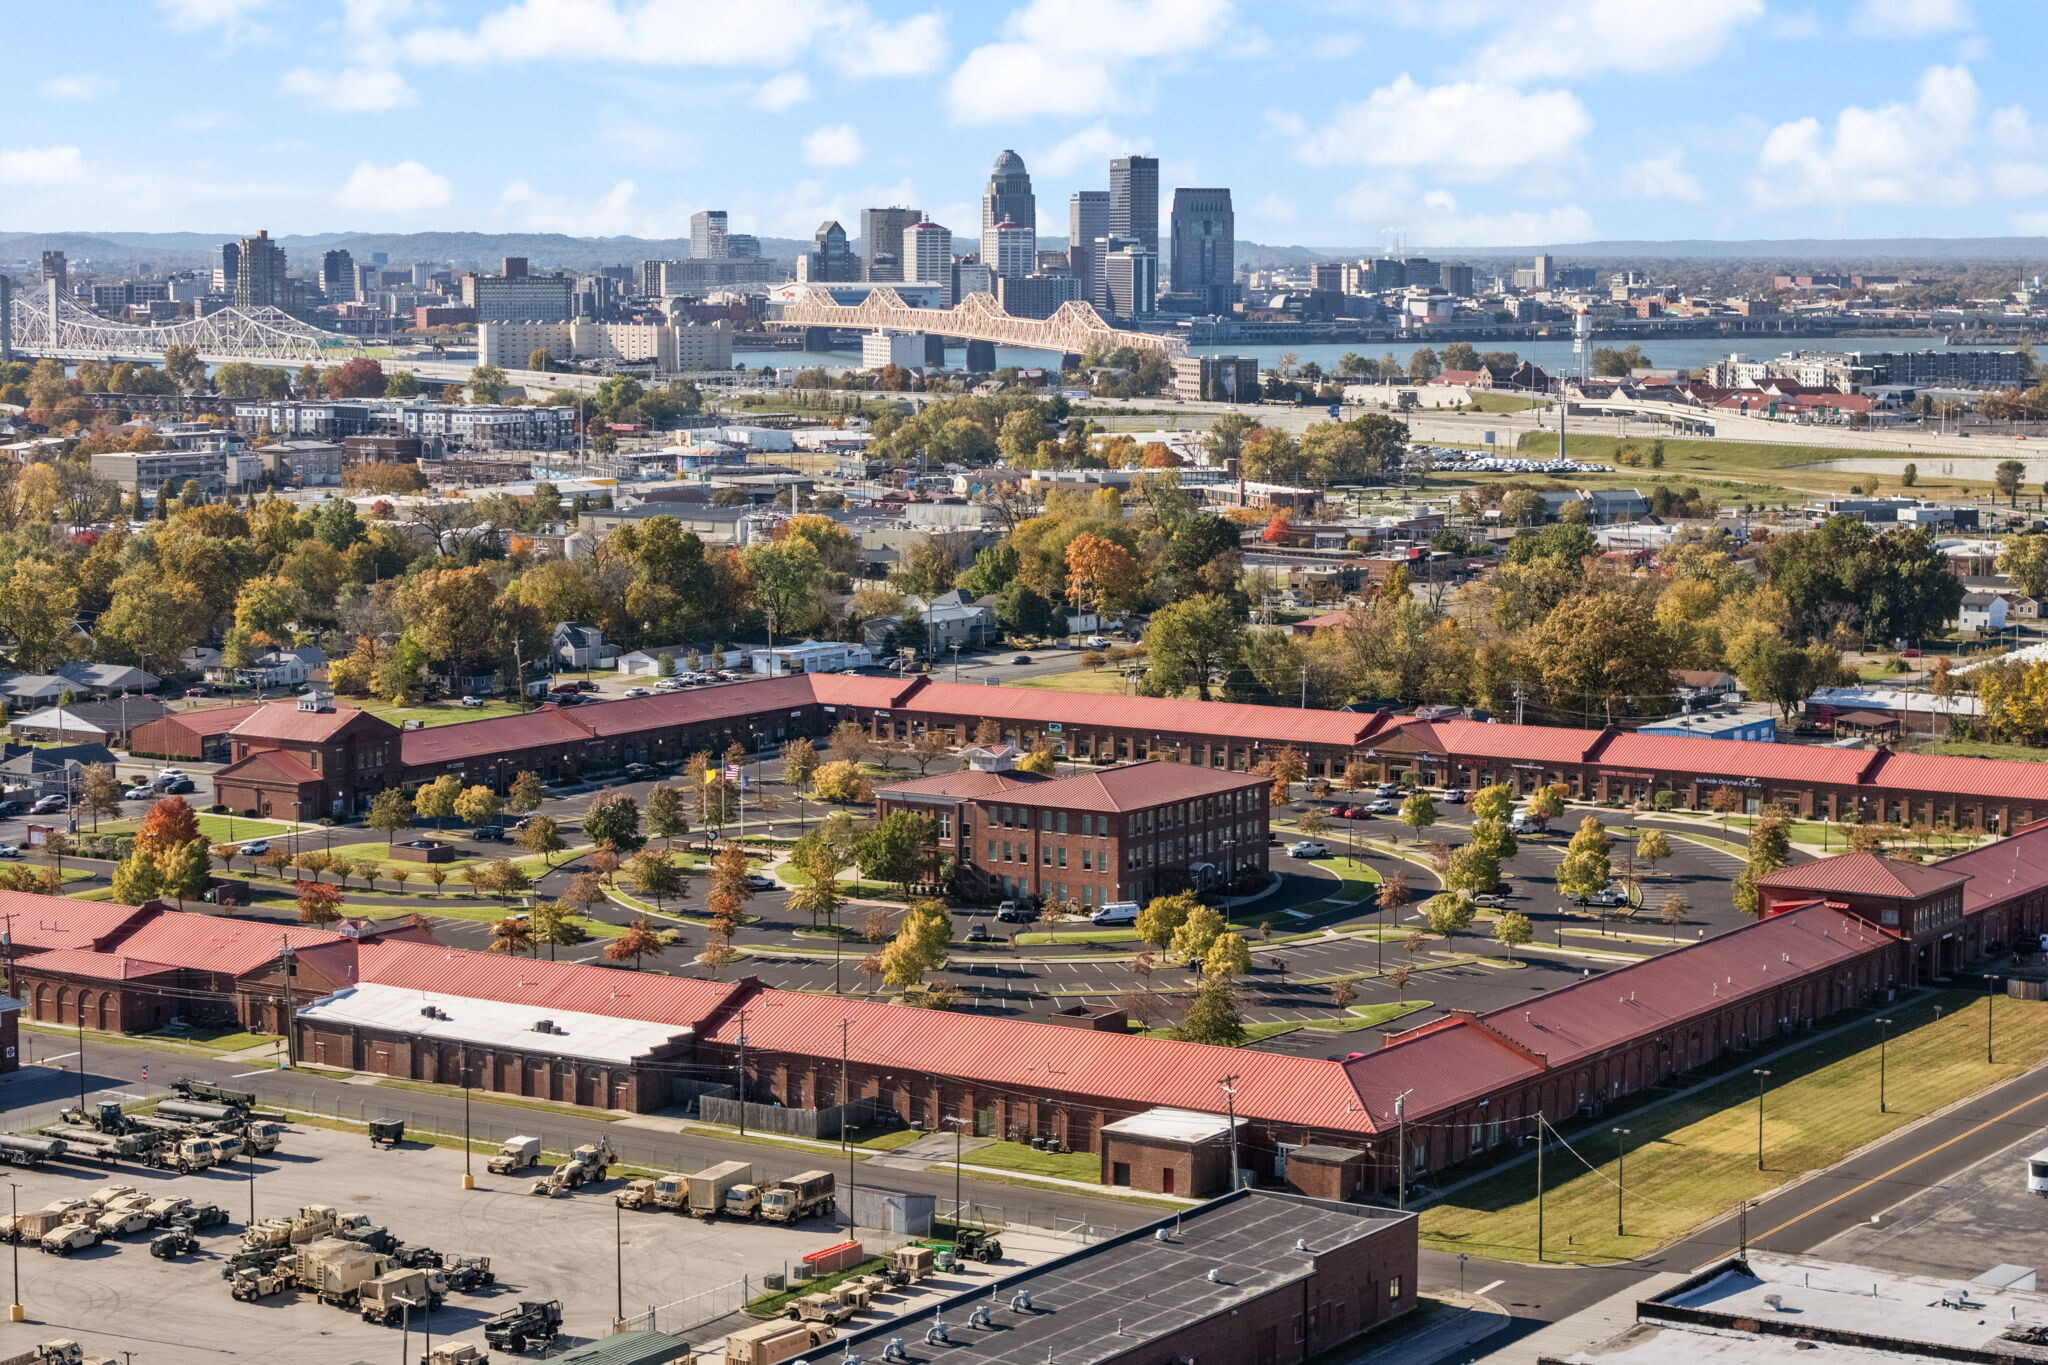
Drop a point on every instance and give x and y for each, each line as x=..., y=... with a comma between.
x=978, y=317
x=261, y=334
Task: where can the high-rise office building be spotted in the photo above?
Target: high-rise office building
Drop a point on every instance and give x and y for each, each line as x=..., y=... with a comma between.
x=1008, y=196
x=972, y=277
x=1014, y=254
x=1134, y=200
x=514, y=267
x=707, y=234
x=1036, y=296
x=1087, y=220
x=928, y=258
x=1205, y=247
x=227, y=267
x=259, y=273
x=881, y=232
x=742, y=246
x=55, y=268
x=647, y=279
x=338, y=276
x=1458, y=280
x=831, y=259
x=519, y=298
x=1131, y=280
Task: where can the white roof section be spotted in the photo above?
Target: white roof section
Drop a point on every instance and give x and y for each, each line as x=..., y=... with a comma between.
x=1893, y=699
x=458, y=1018
x=1164, y=1124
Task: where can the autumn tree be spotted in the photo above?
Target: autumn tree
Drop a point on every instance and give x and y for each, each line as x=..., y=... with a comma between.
x=99, y=791
x=1213, y=1018
x=1163, y=916
x=614, y=819
x=184, y=871
x=655, y=874
x=1511, y=930
x=922, y=940
x=668, y=814
x=390, y=811
x=1193, y=643
x=1770, y=849
x=171, y=823
x=319, y=904
x=435, y=800
x=542, y=837
x=637, y=940
x=512, y=934
x=525, y=793
x=1283, y=767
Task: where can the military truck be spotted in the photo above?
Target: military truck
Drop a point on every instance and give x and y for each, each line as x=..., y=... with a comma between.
x=532, y=1322
x=773, y=1342
x=586, y=1164
x=820, y=1308
x=66, y=1238
x=335, y=1270
x=309, y=1223
x=514, y=1155
x=978, y=1244
x=455, y=1353
x=909, y=1264
x=31, y=1149
x=797, y=1198
x=61, y=1352
x=467, y=1274
x=668, y=1192
x=392, y=1293
x=194, y=1154
x=709, y=1187
x=260, y=1279
x=30, y=1226
x=170, y=1245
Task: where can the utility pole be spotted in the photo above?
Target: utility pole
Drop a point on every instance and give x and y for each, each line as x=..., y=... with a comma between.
x=619, y=1260
x=1229, y=1084
x=743, y=1073
x=291, y=1014
x=468, y=1170
x=1521, y=694
x=1401, y=1149
x=1761, y=1076
x=1620, y=1175
x=1884, y=1029
x=959, y=1126
x=846, y=1138
x=15, y=1312
x=1540, y=1145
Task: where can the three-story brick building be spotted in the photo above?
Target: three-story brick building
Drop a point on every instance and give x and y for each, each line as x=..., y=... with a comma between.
x=1127, y=833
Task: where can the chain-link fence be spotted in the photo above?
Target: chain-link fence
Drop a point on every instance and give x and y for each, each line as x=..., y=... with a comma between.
x=693, y=1311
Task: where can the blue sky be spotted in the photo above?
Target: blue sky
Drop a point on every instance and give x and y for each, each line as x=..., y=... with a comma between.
x=1336, y=122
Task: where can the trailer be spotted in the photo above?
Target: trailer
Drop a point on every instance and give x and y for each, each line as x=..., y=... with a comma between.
x=29, y=1149
x=709, y=1187
x=61, y=1352
x=194, y=1111
x=189, y=1089
x=799, y=1197
x=770, y=1343
x=385, y=1298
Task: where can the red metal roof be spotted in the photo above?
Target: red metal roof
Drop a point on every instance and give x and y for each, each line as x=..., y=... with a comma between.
x=1738, y=758
x=684, y=1002
x=276, y=765
x=965, y=784
x=283, y=720
x=1135, y=786
x=1999, y=871
x=1481, y=739
x=214, y=943
x=55, y=922
x=1998, y=778
x=212, y=720
x=548, y=726
x=1449, y=1065
x=1865, y=874
x=1161, y=716
x=1021, y=1053
x=96, y=966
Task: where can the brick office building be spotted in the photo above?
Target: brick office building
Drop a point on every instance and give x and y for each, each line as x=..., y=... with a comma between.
x=307, y=759
x=1126, y=833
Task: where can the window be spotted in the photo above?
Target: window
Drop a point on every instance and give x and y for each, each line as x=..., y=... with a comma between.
x=1006, y=850
x=1063, y=862
x=1087, y=860
x=1045, y=855
x=1394, y=1287
x=1045, y=821
x=991, y=851
x=1063, y=822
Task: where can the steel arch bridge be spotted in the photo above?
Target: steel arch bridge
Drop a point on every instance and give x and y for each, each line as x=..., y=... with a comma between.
x=262, y=334
x=978, y=317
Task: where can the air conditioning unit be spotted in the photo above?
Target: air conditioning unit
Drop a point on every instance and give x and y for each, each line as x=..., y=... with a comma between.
x=544, y=1026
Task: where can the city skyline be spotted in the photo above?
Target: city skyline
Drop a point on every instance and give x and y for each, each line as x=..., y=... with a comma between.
x=1335, y=123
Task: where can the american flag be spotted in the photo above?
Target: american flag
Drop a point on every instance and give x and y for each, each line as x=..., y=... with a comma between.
x=732, y=772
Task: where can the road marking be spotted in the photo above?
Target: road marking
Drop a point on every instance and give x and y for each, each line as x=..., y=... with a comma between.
x=1486, y=1289
x=1757, y=1241
x=58, y=1058
x=244, y=1075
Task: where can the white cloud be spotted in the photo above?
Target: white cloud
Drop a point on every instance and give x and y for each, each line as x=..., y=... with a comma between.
x=1663, y=177
x=88, y=86
x=1467, y=130
x=349, y=90
x=205, y=13
x=2019, y=179
x=1274, y=208
x=1090, y=149
x=396, y=190
x=1898, y=153
x=1431, y=218
x=785, y=91
x=370, y=20
x=912, y=48
x=836, y=144
x=1910, y=18
x=41, y=165
x=1565, y=38
x=611, y=214
x=1052, y=57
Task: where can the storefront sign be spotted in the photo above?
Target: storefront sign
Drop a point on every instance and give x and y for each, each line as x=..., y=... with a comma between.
x=1727, y=782
x=1617, y=772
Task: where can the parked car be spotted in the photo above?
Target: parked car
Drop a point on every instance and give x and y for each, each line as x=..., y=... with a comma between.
x=755, y=881
x=977, y=932
x=488, y=834
x=1522, y=824
x=473, y=702
x=256, y=849
x=139, y=794
x=571, y=699
x=1455, y=795
x=1308, y=848
x=1349, y=812
x=638, y=692
x=670, y=685
x=1611, y=897
x=565, y=690
x=10, y=850
x=1023, y=912
x=1098, y=642
x=49, y=805
x=180, y=786
x=642, y=770
x=1021, y=659
x=1384, y=808
x=201, y=691
x=1386, y=789
x=13, y=807
x=1116, y=912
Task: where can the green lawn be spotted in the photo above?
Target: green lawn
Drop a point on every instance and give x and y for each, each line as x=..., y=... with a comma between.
x=485, y=914
x=889, y=1142
x=219, y=1039
x=1748, y=467
x=1502, y=402
x=1970, y=748
x=1015, y=1156
x=1691, y=1160
x=437, y=713
x=223, y=829
x=1108, y=682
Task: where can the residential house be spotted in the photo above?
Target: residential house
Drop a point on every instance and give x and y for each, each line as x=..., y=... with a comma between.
x=26, y=771
x=1704, y=685
x=953, y=618
x=274, y=668
x=579, y=644
x=1983, y=611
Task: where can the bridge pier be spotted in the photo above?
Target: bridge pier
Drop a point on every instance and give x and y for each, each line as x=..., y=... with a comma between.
x=981, y=356
x=6, y=318
x=1070, y=360
x=817, y=338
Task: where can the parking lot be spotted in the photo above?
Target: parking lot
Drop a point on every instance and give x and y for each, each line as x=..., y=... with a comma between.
x=117, y=1297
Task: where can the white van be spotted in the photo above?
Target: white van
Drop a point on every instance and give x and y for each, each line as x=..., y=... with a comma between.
x=1116, y=912
x=2037, y=1172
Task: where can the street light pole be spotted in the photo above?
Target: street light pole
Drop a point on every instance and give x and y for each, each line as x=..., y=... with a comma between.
x=1990, y=997
x=959, y=1126
x=619, y=1260
x=15, y=1312
x=1761, y=1076
x=468, y=1168
x=1884, y=1028
x=81, y=1054
x=1229, y=1084
x=1620, y=1176
x=1401, y=1149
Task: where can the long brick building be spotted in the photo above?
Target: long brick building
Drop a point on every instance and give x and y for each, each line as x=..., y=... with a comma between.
x=313, y=762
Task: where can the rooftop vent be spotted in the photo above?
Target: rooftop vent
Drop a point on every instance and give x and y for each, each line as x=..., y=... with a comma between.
x=1021, y=1301
x=1215, y=1275
x=1162, y=1235
x=544, y=1026
x=894, y=1350
x=1301, y=1244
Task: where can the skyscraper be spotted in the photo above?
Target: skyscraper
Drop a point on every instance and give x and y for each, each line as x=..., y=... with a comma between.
x=831, y=259
x=1015, y=254
x=259, y=273
x=881, y=232
x=1087, y=220
x=1095, y=288
x=55, y=268
x=1008, y=196
x=707, y=234
x=928, y=258
x=1131, y=278
x=1204, y=247
x=1134, y=200
x=227, y=268
x=338, y=276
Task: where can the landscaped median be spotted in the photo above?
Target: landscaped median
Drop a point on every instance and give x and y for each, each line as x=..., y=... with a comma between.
x=1693, y=1159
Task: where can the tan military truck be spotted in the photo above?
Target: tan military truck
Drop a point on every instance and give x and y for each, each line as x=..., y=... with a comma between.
x=774, y=1342
x=310, y=1223
x=335, y=1270
x=388, y=1297
x=455, y=1353
x=60, y=1352
x=667, y=1192
x=820, y=1308
x=30, y=1226
x=710, y=1186
x=514, y=1156
x=70, y=1237
x=586, y=1164
x=797, y=1198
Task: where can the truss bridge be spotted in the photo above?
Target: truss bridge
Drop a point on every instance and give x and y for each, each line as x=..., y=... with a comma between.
x=978, y=317
x=47, y=326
